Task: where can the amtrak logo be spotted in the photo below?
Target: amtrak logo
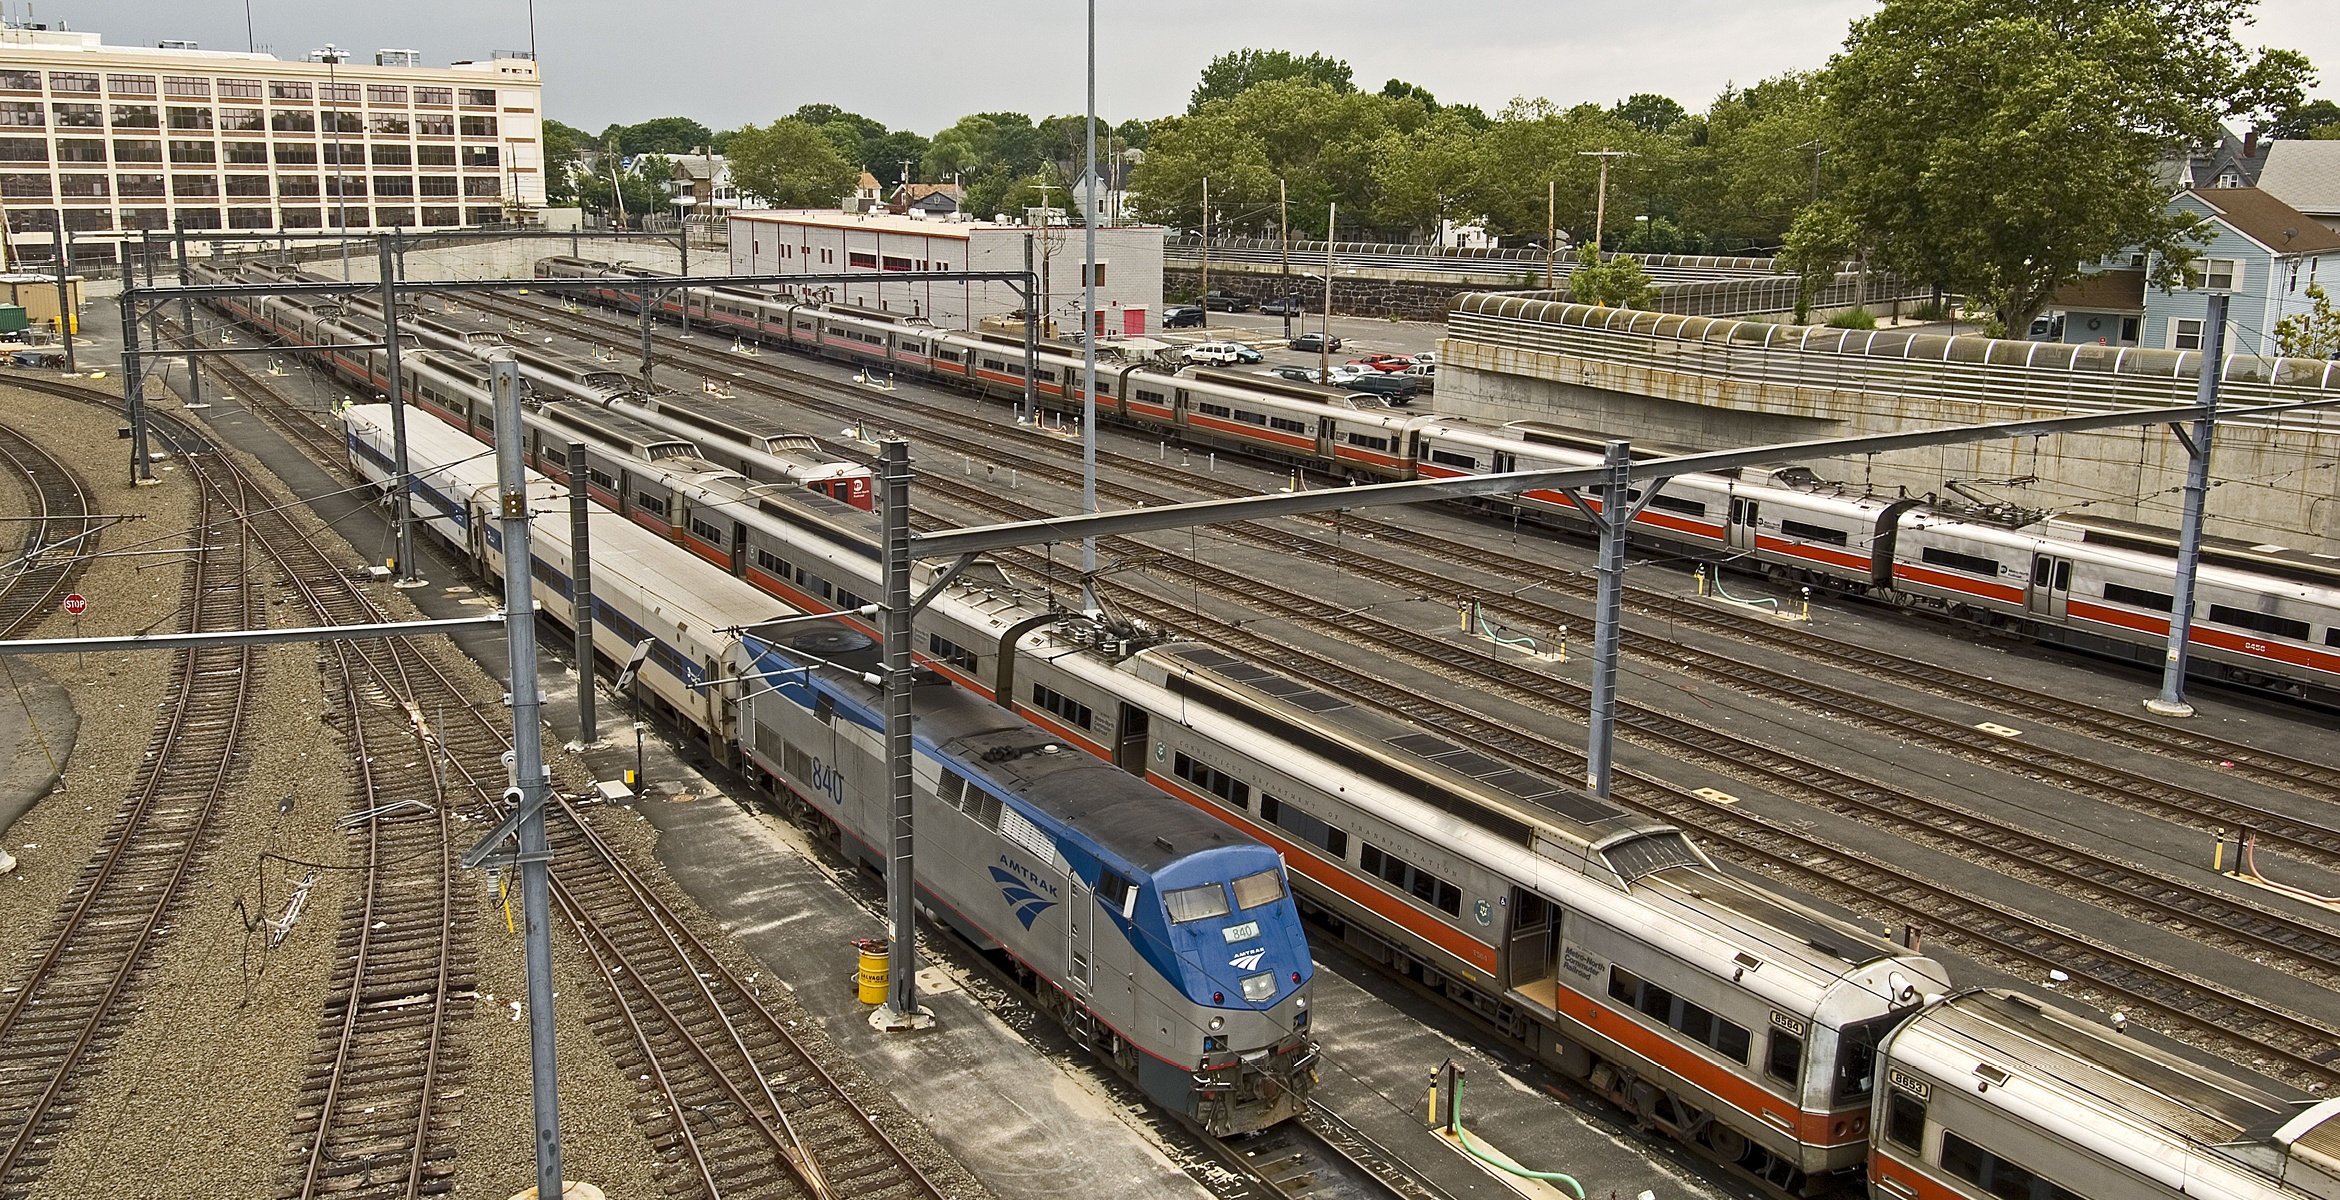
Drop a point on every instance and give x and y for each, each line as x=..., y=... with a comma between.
x=1249, y=960
x=1022, y=901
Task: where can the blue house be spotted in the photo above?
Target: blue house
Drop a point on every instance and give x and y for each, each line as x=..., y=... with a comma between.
x=2260, y=249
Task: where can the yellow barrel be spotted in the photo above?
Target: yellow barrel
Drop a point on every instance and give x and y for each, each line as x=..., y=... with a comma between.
x=873, y=974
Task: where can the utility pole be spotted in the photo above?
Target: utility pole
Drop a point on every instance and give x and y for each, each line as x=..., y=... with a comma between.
x=2172, y=701
x=1551, y=232
x=133, y=394
x=1031, y=410
x=332, y=55
x=65, y=309
x=1206, y=253
x=407, y=578
x=1601, y=203
x=1089, y=337
x=1284, y=236
x=581, y=590
x=1332, y=212
x=1817, y=149
x=900, y=1011
x=187, y=323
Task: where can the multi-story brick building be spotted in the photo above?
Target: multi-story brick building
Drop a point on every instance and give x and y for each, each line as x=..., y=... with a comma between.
x=112, y=140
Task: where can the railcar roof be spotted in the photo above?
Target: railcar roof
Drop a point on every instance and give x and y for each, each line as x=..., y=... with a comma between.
x=1512, y=799
x=2020, y=1035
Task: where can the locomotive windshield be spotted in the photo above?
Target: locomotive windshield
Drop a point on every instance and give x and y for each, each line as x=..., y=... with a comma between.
x=1196, y=903
x=1856, y=1055
x=1267, y=887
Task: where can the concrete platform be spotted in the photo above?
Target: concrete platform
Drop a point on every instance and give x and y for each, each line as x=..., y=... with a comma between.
x=37, y=728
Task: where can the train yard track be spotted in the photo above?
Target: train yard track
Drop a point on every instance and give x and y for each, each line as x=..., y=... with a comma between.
x=736, y=1103
x=62, y=1015
x=1039, y=455
x=50, y=555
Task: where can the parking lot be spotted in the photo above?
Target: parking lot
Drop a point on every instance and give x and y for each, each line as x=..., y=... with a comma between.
x=1359, y=336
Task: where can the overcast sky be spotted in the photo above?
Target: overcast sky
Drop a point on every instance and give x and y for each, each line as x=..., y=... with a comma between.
x=923, y=65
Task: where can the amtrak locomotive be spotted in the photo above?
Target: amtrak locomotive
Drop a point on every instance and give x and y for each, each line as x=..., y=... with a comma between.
x=2266, y=616
x=1164, y=940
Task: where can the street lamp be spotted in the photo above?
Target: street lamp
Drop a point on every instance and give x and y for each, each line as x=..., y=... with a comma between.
x=331, y=56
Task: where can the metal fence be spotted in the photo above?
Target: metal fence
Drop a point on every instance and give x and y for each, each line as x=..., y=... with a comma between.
x=1504, y=264
x=1953, y=368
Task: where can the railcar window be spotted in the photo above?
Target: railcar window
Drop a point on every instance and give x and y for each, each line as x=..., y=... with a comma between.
x=1251, y=418
x=1996, y=1175
x=1785, y=1062
x=655, y=505
x=1196, y=903
x=1073, y=711
x=950, y=651
x=2332, y=636
x=1214, y=410
x=706, y=532
x=1151, y=397
x=1623, y=985
x=1287, y=424
x=1905, y=1121
x=2139, y=597
x=1691, y=508
x=1306, y=825
x=2267, y=623
x=1696, y=1023
x=773, y=563
x=1421, y=884
x=1815, y=533
x=1252, y=891
x=1973, y=564
x=601, y=479
x=848, y=600
x=1119, y=894
x=1451, y=459
x=1368, y=441
x=1210, y=779
x=952, y=789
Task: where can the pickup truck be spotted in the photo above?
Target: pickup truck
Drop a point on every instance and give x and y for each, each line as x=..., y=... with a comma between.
x=1226, y=302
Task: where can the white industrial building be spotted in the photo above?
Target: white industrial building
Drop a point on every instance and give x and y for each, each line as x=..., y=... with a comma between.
x=818, y=241
x=112, y=140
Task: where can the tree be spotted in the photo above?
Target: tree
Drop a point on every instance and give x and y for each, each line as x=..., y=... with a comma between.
x=1238, y=71
x=790, y=164
x=1996, y=145
x=1759, y=157
x=2306, y=121
x=663, y=135
x=563, y=145
x=641, y=190
x=1399, y=89
x=1651, y=112
x=1422, y=178
x=1617, y=283
x=2314, y=333
x=1534, y=143
x=1324, y=144
x=1819, y=241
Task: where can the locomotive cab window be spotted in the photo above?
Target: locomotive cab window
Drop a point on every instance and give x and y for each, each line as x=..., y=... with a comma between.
x=1265, y=887
x=1785, y=1061
x=1117, y=893
x=1196, y=903
x=1856, y=1057
x=1905, y=1122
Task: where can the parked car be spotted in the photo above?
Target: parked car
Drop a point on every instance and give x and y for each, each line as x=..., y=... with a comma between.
x=1397, y=389
x=1220, y=354
x=1313, y=343
x=1347, y=373
x=1388, y=363
x=1429, y=357
x=1283, y=306
x=1295, y=374
x=1179, y=316
x=1426, y=372
x=1218, y=301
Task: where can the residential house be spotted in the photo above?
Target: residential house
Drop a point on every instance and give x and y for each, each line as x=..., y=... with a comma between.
x=933, y=199
x=2306, y=176
x=702, y=183
x=2102, y=308
x=867, y=196
x=2261, y=250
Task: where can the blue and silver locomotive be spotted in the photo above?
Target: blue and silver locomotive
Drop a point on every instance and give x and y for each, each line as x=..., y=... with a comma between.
x=1162, y=938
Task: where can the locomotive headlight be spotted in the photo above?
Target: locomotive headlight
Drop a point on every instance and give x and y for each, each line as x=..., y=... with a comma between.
x=1259, y=987
x=1218, y=1023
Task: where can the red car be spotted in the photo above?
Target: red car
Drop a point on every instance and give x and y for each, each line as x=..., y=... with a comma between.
x=1391, y=363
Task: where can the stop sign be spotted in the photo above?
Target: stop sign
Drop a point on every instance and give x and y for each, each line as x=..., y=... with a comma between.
x=76, y=604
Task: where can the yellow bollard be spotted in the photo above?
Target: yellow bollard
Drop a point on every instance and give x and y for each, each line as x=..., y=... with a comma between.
x=873, y=974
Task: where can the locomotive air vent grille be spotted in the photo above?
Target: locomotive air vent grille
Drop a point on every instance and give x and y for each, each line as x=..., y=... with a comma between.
x=1017, y=828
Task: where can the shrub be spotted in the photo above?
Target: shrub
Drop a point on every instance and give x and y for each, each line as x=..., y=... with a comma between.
x=1853, y=318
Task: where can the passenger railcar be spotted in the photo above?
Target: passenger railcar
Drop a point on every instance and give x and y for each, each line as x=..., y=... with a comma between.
x=1164, y=940
x=1903, y=549
x=1991, y=1094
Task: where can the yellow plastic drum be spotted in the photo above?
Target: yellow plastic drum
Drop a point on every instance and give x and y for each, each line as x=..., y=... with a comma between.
x=873, y=974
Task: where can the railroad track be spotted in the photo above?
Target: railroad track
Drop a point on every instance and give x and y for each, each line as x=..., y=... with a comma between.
x=736, y=1104
x=62, y=1015
x=51, y=555
x=2272, y=768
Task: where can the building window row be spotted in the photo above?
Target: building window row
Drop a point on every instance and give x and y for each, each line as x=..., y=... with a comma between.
x=102, y=220
x=194, y=87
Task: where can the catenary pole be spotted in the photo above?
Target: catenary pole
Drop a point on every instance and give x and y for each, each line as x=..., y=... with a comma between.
x=1205, y=299
x=581, y=583
x=2172, y=701
x=1284, y=252
x=133, y=393
x=1031, y=333
x=1332, y=213
x=187, y=323
x=1608, y=609
x=65, y=309
x=1551, y=231
x=1089, y=336
x=901, y=1009
x=529, y=774
x=394, y=390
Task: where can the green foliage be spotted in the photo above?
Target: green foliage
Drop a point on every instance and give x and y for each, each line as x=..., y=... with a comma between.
x=1995, y=145
x=2314, y=333
x=1323, y=143
x=1930, y=310
x=1853, y=318
x=1658, y=236
x=1534, y=141
x=562, y=144
x=2307, y=121
x=1618, y=283
x=1821, y=238
x=1238, y=71
x=641, y=190
x=1399, y=89
x=1649, y=111
x=1754, y=165
x=790, y=164
x=661, y=135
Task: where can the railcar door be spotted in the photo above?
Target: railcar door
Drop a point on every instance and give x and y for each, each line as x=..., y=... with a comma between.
x=1133, y=733
x=738, y=548
x=2051, y=585
x=1743, y=514
x=1324, y=439
x=1532, y=948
